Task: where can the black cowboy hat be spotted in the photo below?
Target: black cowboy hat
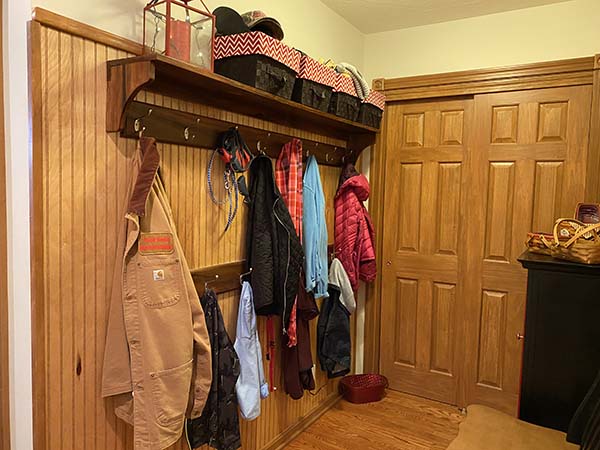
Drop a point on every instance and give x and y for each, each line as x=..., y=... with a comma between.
x=228, y=21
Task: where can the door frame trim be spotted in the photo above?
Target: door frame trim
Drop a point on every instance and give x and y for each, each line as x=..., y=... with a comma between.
x=4, y=335
x=567, y=72
x=561, y=73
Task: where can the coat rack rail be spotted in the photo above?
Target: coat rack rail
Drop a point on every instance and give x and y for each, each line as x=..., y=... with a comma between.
x=182, y=128
x=221, y=278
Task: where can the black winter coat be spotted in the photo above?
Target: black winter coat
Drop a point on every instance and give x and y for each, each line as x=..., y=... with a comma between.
x=273, y=249
x=333, y=335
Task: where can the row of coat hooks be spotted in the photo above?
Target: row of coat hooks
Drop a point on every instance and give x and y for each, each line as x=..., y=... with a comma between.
x=217, y=278
x=221, y=278
x=230, y=276
x=186, y=129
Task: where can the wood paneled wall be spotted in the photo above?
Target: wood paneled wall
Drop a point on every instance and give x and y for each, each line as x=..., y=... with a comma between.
x=80, y=176
x=4, y=376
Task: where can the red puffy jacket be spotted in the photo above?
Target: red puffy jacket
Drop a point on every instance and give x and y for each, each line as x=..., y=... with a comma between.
x=354, y=234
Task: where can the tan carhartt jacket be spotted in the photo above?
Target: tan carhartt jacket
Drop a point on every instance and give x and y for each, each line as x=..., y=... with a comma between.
x=157, y=360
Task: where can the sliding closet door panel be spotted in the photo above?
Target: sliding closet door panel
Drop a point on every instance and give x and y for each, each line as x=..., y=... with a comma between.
x=422, y=235
x=526, y=170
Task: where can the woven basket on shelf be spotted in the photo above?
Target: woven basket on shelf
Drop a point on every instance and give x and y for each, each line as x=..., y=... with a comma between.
x=576, y=241
x=539, y=243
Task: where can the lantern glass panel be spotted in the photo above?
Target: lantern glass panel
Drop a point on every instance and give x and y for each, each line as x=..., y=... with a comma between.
x=155, y=37
x=201, y=40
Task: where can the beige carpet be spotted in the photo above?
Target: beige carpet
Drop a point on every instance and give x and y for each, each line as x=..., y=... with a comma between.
x=488, y=429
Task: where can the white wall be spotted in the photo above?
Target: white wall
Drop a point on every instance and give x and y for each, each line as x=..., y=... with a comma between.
x=558, y=31
x=309, y=25
x=18, y=152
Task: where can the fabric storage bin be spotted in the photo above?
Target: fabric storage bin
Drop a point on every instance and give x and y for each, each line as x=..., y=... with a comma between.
x=344, y=101
x=314, y=84
x=371, y=109
x=259, y=61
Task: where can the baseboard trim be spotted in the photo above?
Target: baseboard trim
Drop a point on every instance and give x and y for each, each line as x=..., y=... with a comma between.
x=294, y=431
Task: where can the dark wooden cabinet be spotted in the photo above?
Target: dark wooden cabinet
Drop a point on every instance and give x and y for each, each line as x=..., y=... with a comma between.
x=562, y=339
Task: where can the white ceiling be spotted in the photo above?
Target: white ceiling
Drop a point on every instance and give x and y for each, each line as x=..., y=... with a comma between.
x=372, y=16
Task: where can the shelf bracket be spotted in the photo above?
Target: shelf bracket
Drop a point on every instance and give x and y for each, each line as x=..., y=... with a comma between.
x=125, y=80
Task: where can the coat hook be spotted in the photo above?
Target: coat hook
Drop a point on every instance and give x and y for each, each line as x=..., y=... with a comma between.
x=186, y=131
x=138, y=125
x=210, y=281
x=245, y=274
x=260, y=149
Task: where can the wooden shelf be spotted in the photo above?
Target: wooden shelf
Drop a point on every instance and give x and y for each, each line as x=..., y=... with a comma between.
x=178, y=79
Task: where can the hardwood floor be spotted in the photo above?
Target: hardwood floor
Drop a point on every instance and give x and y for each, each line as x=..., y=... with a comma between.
x=399, y=422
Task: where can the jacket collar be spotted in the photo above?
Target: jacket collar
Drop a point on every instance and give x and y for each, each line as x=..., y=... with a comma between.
x=348, y=171
x=150, y=160
x=358, y=184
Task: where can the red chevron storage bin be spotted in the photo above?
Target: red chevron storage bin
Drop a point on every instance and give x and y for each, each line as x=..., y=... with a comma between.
x=371, y=109
x=344, y=101
x=314, y=84
x=258, y=60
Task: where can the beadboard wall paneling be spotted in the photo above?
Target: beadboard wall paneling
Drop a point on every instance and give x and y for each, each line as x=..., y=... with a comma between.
x=80, y=179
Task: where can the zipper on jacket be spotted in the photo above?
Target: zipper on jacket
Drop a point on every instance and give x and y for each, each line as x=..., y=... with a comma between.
x=287, y=268
x=187, y=437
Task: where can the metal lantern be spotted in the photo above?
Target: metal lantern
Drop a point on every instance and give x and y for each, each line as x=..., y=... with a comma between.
x=175, y=29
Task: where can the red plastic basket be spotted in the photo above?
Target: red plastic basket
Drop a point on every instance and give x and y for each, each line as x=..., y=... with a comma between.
x=364, y=388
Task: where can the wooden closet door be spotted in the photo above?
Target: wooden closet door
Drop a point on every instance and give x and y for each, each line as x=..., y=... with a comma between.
x=426, y=147
x=527, y=169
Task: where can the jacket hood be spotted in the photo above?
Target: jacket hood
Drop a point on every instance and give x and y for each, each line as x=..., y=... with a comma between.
x=357, y=184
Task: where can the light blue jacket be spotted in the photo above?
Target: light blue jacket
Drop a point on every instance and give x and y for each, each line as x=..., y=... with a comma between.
x=251, y=385
x=314, y=231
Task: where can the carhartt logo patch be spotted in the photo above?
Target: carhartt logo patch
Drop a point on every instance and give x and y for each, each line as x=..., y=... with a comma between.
x=155, y=244
x=158, y=275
